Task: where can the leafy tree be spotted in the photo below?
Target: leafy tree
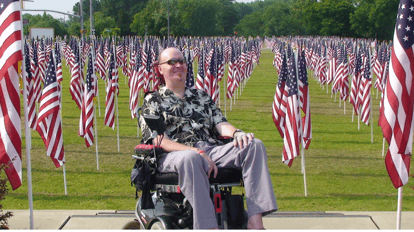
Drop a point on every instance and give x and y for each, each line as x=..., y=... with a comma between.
x=96, y=7
x=45, y=21
x=251, y=25
x=74, y=28
x=375, y=18
x=199, y=17
x=102, y=23
x=328, y=17
x=123, y=12
x=153, y=18
x=242, y=9
x=228, y=17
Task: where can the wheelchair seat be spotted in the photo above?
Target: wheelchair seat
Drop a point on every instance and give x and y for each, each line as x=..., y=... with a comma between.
x=225, y=175
x=172, y=211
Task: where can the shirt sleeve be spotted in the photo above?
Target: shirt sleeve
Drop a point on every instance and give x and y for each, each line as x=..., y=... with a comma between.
x=216, y=114
x=150, y=106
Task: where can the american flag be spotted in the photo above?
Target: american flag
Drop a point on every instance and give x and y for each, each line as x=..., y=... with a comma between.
x=49, y=120
x=304, y=101
x=332, y=67
x=220, y=63
x=337, y=83
x=41, y=60
x=34, y=69
x=397, y=121
x=344, y=90
x=200, y=71
x=59, y=75
x=100, y=61
x=353, y=98
x=146, y=62
x=231, y=73
x=211, y=78
x=190, y=75
x=31, y=106
x=110, y=96
x=322, y=66
x=10, y=137
x=365, y=92
x=280, y=99
x=132, y=82
x=86, y=117
x=292, y=137
x=76, y=82
x=114, y=73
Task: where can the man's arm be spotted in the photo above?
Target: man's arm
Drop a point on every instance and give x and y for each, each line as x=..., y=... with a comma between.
x=240, y=138
x=169, y=146
x=226, y=129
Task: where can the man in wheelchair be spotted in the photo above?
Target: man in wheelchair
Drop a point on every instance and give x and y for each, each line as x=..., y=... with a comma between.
x=192, y=121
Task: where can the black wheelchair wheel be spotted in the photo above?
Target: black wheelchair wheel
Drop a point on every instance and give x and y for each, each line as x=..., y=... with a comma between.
x=132, y=225
x=157, y=225
x=162, y=223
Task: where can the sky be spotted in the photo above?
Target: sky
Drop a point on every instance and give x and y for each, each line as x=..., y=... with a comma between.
x=60, y=5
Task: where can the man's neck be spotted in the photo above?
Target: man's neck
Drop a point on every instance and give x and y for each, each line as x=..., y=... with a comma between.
x=177, y=90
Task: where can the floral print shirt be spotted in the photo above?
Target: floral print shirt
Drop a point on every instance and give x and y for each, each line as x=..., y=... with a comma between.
x=188, y=120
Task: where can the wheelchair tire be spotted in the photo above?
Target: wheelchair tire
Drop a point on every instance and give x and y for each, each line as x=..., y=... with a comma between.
x=132, y=225
x=162, y=223
x=156, y=226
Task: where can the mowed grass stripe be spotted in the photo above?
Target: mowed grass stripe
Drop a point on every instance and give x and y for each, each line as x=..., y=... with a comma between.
x=345, y=171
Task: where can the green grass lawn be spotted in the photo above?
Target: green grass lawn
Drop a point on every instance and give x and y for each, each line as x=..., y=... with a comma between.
x=344, y=170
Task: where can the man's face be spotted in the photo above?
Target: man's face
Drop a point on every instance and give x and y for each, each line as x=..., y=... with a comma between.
x=173, y=73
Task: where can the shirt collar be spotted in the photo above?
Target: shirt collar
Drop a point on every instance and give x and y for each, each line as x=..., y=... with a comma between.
x=164, y=91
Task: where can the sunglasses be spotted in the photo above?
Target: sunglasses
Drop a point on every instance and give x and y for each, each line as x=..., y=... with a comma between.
x=174, y=61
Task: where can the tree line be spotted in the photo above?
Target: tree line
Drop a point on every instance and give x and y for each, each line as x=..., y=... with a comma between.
x=345, y=18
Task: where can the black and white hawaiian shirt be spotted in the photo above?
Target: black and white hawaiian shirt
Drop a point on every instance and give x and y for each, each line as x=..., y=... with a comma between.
x=188, y=120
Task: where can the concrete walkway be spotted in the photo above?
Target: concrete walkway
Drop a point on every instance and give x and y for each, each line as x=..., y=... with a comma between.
x=115, y=220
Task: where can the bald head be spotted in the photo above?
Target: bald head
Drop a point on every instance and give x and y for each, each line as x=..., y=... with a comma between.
x=166, y=53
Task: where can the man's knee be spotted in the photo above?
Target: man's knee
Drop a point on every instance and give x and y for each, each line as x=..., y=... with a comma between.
x=257, y=147
x=192, y=159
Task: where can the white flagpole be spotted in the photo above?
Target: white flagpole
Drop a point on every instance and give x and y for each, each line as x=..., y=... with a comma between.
x=344, y=106
x=117, y=121
x=372, y=122
x=399, y=208
x=296, y=56
x=63, y=165
x=96, y=137
x=304, y=171
x=64, y=180
x=116, y=97
x=353, y=112
x=137, y=118
x=28, y=140
x=97, y=93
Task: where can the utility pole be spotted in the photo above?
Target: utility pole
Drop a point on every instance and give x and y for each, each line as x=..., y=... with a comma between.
x=92, y=32
x=168, y=19
x=81, y=18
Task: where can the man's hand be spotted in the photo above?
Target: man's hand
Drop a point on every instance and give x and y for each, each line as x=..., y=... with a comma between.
x=241, y=138
x=211, y=165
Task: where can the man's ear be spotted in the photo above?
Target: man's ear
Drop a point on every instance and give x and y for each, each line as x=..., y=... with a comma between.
x=157, y=69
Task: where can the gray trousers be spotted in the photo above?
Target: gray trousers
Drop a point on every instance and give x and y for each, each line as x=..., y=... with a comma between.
x=192, y=173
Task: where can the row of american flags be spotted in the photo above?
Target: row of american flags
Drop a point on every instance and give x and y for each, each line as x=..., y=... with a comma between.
x=349, y=65
x=331, y=60
x=102, y=58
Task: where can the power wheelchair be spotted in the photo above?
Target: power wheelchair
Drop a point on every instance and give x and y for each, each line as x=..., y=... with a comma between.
x=163, y=206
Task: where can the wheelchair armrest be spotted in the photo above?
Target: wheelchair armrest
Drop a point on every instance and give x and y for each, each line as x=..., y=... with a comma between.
x=225, y=139
x=148, y=149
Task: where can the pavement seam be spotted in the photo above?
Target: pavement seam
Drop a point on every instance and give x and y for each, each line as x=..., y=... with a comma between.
x=376, y=225
x=65, y=222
